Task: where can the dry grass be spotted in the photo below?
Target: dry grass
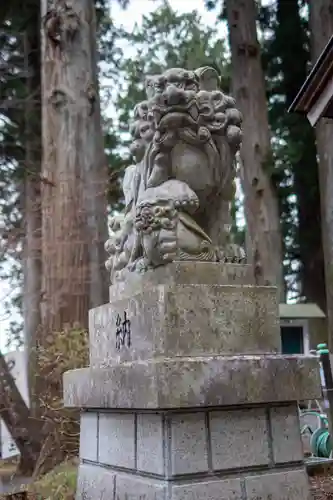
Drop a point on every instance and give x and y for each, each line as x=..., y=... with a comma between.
x=8, y=467
x=58, y=484
x=62, y=351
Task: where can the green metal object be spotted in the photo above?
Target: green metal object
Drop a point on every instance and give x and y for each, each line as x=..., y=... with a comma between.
x=322, y=349
x=320, y=440
x=321, y=443
x=321, y=418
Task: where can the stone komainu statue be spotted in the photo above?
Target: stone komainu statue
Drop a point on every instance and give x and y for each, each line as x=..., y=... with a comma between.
x=178, y=193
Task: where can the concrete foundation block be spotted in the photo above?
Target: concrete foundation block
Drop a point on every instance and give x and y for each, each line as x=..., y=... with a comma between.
x=228, y=489
x=286, y=439
x=188, y=448
x=150, y=443
x=291, y=485
x=194, y=382
x=98, y=483
x=95, y=483
x=138, y=488
x=89, y=436
x=239, y=438
x=116, y=443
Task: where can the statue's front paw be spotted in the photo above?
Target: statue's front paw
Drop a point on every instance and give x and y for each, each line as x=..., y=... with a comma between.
x=140, y=266
x=167, y=245
x=160, y=247
x=232, y=253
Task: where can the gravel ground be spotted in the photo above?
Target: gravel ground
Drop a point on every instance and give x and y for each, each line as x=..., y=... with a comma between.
x=322, y=487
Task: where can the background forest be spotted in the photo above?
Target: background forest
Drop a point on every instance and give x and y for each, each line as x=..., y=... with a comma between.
x=52, y=260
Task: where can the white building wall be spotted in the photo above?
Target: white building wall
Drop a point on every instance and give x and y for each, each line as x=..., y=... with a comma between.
x=17, y=362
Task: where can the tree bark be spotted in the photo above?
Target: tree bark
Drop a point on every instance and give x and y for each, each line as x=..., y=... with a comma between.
x=264, y=249
x=24, y=430
x=321, y=23
x=291, y=39
x=74, y=168
x=74, y=208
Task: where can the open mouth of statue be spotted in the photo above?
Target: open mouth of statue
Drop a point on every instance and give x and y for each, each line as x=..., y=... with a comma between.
x=175, y=116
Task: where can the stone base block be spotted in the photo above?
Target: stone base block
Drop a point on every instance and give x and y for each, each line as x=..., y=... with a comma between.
x=245, y=453
x=183, y=273
x=194, y=382
x=185, y=320
x=169, y=412
x=185, y=309
x=170, y=444
x=99, y=483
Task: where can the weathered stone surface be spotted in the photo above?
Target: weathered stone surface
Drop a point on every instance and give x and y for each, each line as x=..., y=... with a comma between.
x=184, y=365
x=116, y=439
x=291, y=485
x=228, y=489
x=183, y=273
x=239, y=438
x=188, y=447
x=287, y=444
x=192, y=382
x=95, y=483
x=178, y=193
x=150, y=443
x=136, y=488
x=89, y=436
x=187, y=320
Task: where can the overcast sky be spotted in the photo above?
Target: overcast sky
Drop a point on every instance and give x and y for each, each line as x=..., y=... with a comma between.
x=138, y=8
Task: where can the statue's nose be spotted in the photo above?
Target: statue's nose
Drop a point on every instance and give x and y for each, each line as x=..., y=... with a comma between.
x=174, y=95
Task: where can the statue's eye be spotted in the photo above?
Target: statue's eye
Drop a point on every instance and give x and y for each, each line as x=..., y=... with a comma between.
x=144, y=128
x=190, y=86
x=176, y=83
x=159, y=84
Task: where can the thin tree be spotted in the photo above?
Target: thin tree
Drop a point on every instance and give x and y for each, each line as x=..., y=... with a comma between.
x=32, y=221
x=20, y=168
x=24, y=429
x=264, y=240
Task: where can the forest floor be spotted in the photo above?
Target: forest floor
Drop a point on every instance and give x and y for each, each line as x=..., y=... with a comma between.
x=9, y=481
x=59, y=484
x=322, y=487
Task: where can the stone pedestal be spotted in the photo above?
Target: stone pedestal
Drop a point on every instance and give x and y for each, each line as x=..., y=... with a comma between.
x=187, y=396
